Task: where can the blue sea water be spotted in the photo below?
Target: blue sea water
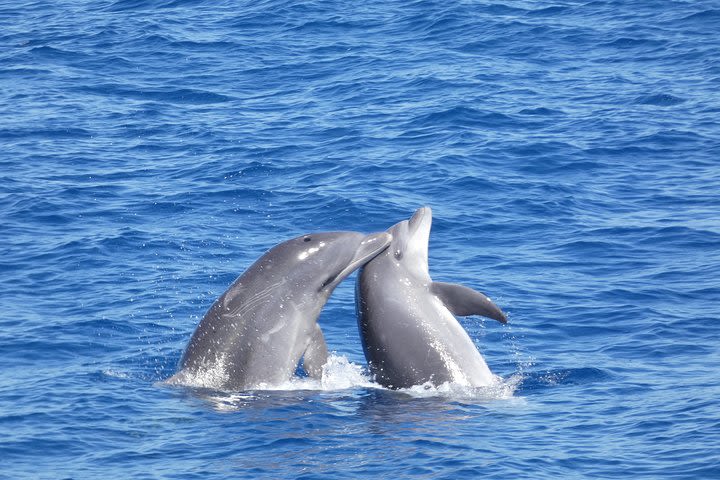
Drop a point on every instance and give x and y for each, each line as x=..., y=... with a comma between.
x=570, y=150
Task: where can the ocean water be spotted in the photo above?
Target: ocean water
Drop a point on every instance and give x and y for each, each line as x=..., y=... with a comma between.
x=150, y=151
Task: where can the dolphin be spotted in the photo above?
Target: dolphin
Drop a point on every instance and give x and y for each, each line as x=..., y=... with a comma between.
x=409, y=333
x=255, y=333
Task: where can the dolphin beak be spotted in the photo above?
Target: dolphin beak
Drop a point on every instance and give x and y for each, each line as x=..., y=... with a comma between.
x=422, y=218
x=418, y=234
x=370, y=246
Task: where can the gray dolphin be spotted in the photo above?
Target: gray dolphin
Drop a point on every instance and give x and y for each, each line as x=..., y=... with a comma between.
x=406, y=321
x=256, y=332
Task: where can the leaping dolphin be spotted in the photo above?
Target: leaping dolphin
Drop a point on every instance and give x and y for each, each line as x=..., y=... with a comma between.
x=406, y=321
x=256, y=332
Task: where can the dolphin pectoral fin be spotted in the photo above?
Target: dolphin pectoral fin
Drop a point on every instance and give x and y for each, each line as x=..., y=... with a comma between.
x=316, y=354
x=464, y=301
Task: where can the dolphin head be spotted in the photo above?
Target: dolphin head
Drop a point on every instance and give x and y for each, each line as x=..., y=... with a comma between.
x=322, y=260
x=409, y=246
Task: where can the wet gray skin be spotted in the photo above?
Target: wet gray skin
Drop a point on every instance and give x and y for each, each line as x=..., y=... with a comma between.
x=258, y=330
x=407, y=325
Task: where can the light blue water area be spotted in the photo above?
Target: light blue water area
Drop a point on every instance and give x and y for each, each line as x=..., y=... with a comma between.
x=152, y=150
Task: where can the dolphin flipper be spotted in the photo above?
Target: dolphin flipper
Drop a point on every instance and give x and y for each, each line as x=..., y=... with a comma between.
x=464, y=301
x=316, y=354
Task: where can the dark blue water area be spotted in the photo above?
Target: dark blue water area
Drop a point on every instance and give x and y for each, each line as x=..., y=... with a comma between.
x=152, y=150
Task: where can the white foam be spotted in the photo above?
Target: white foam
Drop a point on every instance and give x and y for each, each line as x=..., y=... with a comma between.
x=499, y=389
x=341, y=374
x=338, y=374
x=212, y=376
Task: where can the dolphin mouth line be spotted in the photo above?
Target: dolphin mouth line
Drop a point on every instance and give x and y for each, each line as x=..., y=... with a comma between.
x=370, y=247
x=328, y=281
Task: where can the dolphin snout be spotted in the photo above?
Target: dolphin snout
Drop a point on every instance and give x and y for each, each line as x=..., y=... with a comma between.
x=422, y=216
x=370, y=247
x=378, y=240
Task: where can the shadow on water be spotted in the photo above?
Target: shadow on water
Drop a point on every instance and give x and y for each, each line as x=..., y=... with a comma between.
x=342, y=390
x=375, y=401
x=384, y=410
x=370, y=404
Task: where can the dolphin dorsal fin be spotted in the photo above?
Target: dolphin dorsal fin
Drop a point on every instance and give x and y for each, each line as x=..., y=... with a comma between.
x=464, y=301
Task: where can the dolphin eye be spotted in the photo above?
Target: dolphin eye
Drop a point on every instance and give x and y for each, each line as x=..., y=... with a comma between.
x=328, y=281
x=398, y=254
x=307, y=239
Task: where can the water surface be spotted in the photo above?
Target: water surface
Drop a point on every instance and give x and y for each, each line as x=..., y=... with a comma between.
x=152, y=150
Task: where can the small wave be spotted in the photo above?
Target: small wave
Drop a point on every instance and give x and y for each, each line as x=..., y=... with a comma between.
x=541, y=111
x=23, y=71
x=45, y=133
x=45, y=51
x=461, y=116
x=167, y=94
x=143, y=5
x=115, y=374
x=702, y=17
x=500, y=389
x=631, y=42
x=547, y=11
x=529, y=382
x=659, y=100
x=670, y=138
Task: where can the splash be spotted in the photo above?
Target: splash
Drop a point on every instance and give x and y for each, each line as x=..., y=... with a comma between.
x=499, y=389
x=212, y=376
x=338, y=374
x=341, y=374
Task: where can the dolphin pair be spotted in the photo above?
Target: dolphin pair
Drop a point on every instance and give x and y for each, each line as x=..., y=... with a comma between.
x=257, y=332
